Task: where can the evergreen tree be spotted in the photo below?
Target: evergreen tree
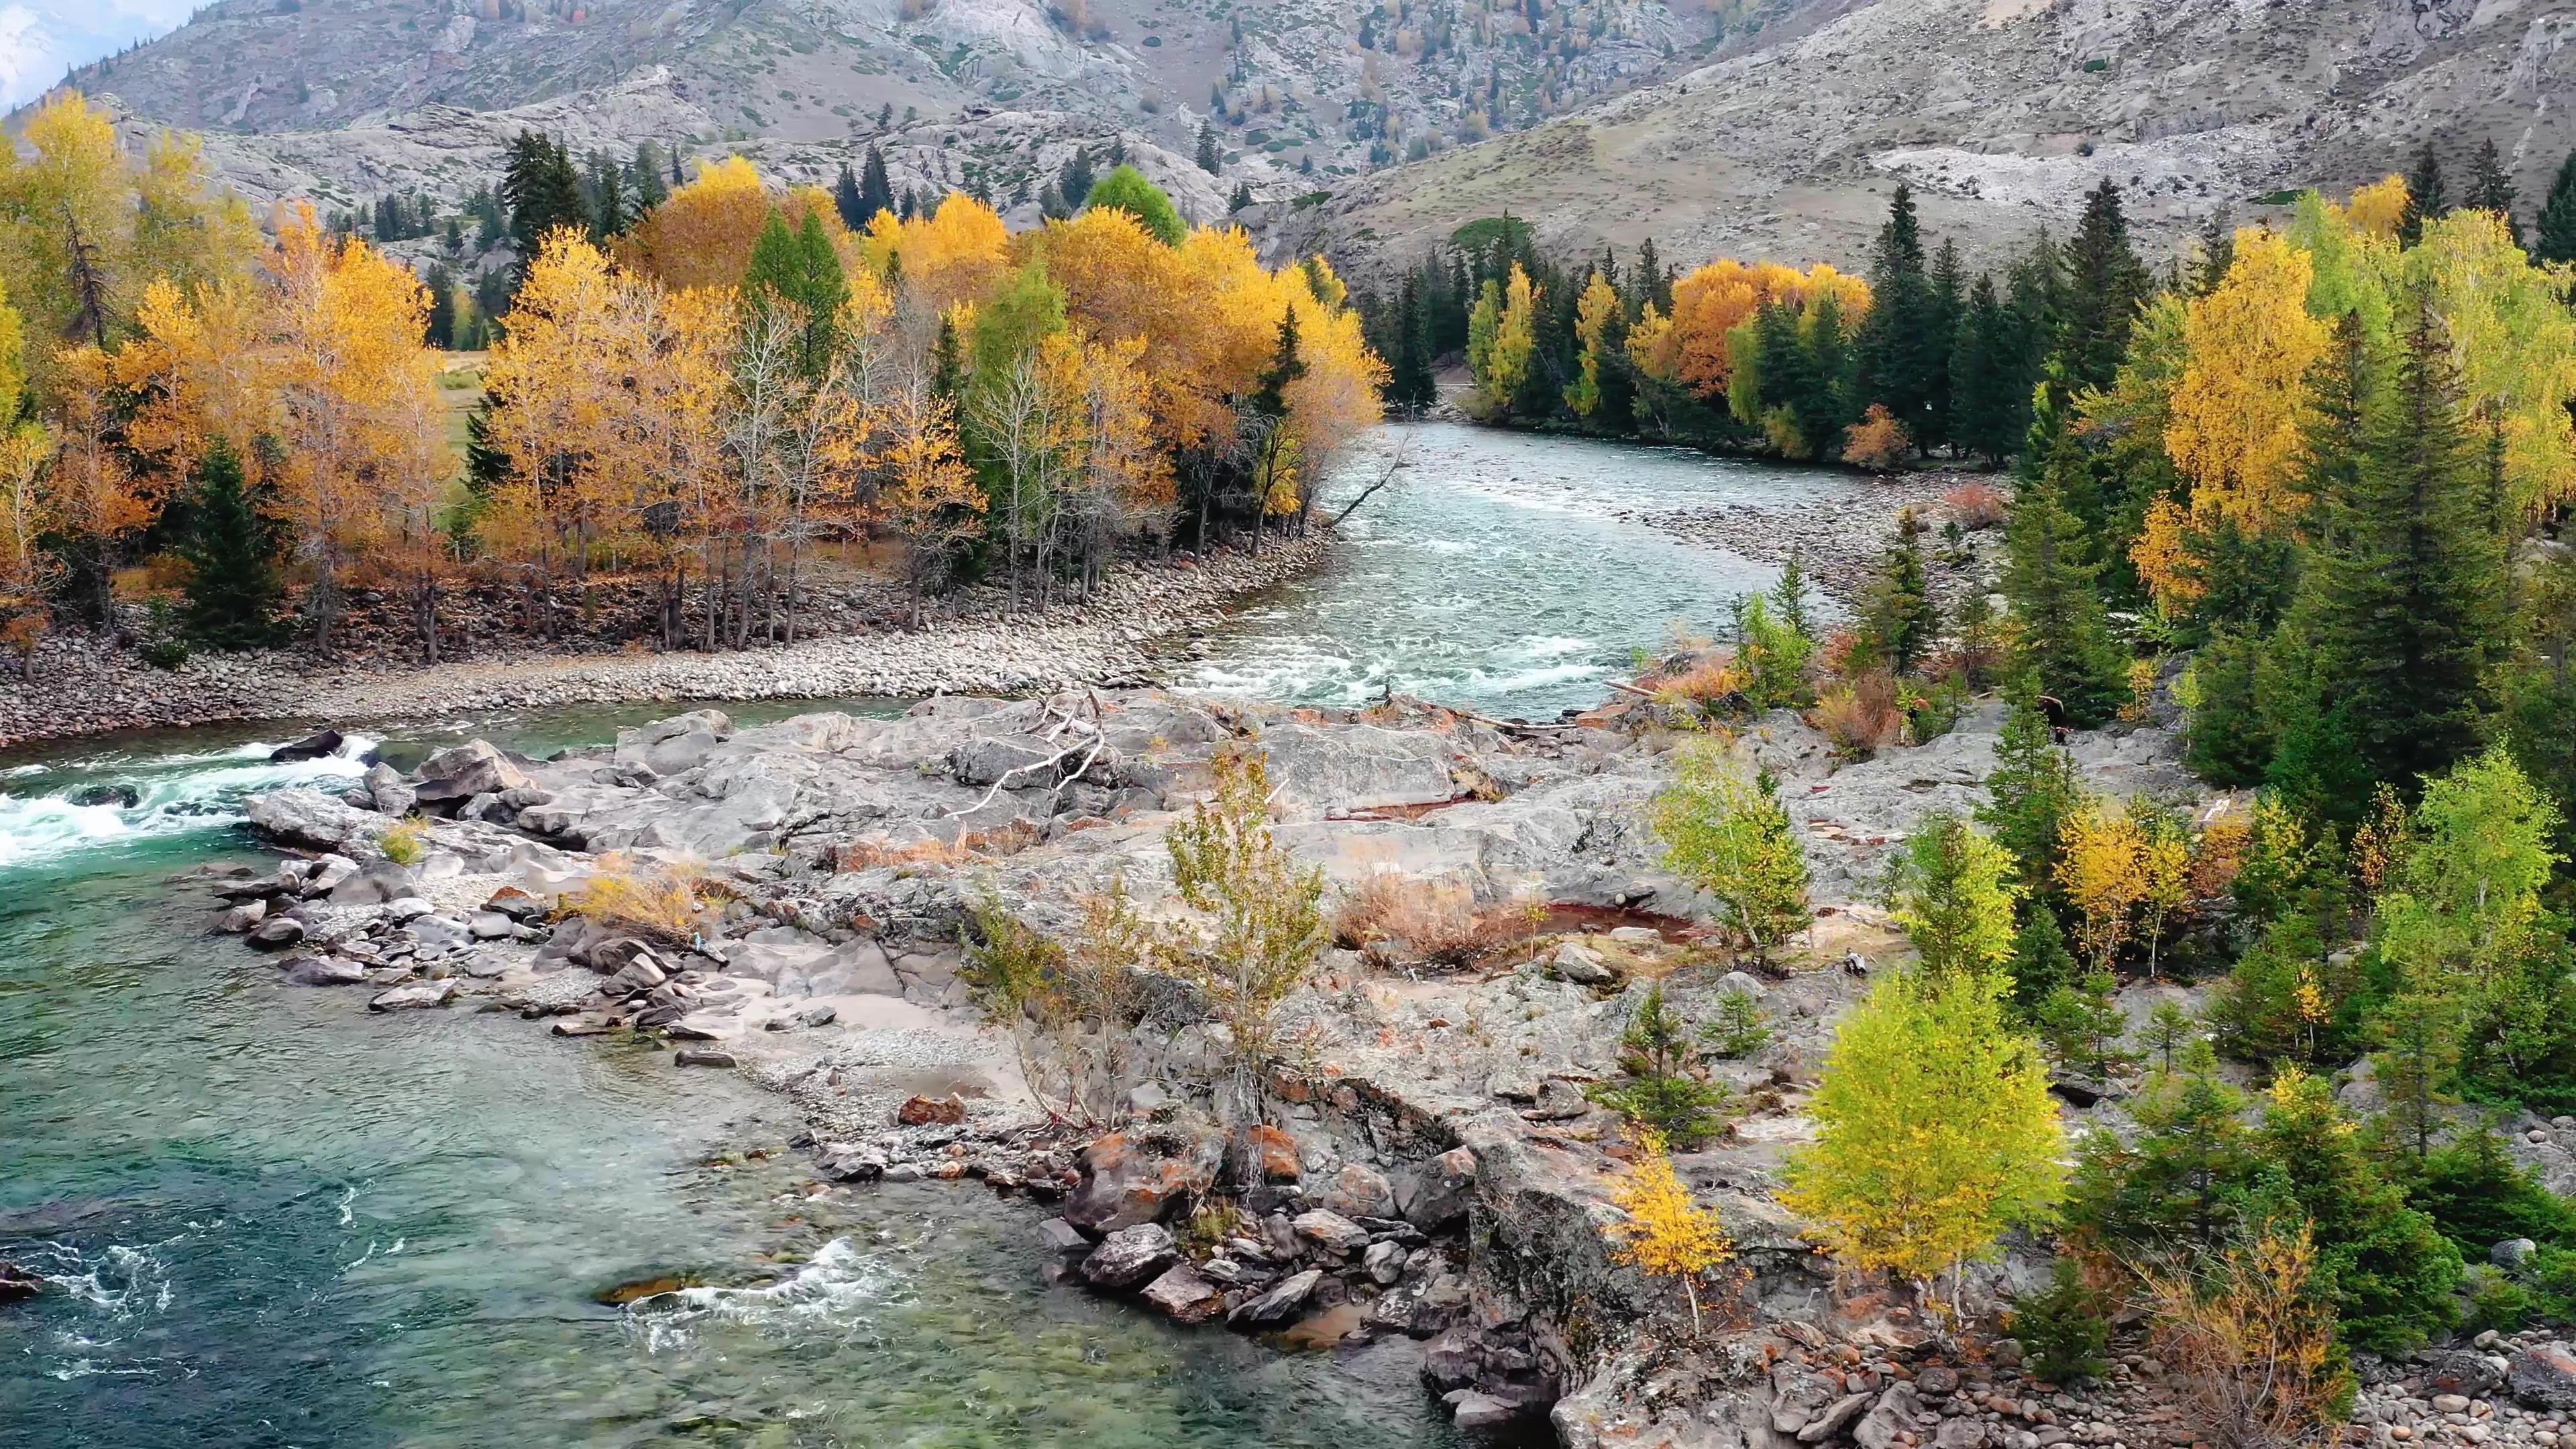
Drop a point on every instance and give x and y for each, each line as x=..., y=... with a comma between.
x=233, y=587
x=2554, y=234
x=1076, y=178
x=486, y=467
x=441, y=286
x=2105, y=284
x=1655, y=280
x=2426, y=196
x=948, y=361
x=1902, y=623
x=2042, y=965
x=644, y=178
x=1409, y=382
x=610, y=216
x=801, y=270
x=1949, y=305
x=876, y=191
x=2217, y=253
x=1208, y=159
x=1987, y=381
x=1901, y=353
x=2406, y=611
x=542, y=190
x=2063, y=641
x=846, y=200
x=1241, y=199
x=1657, y=1086
x=2491, y=188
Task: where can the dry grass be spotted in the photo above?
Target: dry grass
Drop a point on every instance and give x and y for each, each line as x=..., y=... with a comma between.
x=1861, y=717
x=1706, y=684
x=1975, y=506
x=657, y=900
x=974, y=845
x=1394, y=919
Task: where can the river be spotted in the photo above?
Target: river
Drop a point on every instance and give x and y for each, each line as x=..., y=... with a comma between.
x=267, y=1222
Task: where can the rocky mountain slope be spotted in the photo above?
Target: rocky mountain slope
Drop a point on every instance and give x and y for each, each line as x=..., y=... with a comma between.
x=2001, y=113
x=347, y=97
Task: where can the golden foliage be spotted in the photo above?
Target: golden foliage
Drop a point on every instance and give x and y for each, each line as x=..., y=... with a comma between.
x=956, y=254
x=2240, y=406
x=703, y=233
x=2252, y=1339
x=1665, y=1234
x=661, y=901
x=1877, y=442
x=1689, y=348
x=2378, y=208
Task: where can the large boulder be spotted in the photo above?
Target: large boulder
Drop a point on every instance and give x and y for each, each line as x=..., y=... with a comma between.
x=1280, y=1304
x=1184, y=1295
x=304, y=816
x=2543, y=1376
x=1358, y=1191
x=1436, y=1193
x=322, y=743
x=1134, y=1177
x=461, y=772
x=1130, y=1256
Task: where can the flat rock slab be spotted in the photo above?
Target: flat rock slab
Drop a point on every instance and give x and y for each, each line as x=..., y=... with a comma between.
x=413, y=995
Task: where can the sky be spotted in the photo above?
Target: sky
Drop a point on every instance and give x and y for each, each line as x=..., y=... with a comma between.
x=38, y=38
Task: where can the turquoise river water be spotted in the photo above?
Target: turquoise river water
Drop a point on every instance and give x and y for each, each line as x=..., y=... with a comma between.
x=270, y=1221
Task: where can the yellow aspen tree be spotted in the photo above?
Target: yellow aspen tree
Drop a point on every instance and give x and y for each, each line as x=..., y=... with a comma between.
x=70, y=213
x=2103, y=866
x=89, y=494
x=203, y=370
x=1592, y=314
x=1935, y=1131
x=26, y=572
x=2378, y=208
x=358, y=410
x=1665, y=1234
x=927, y=493
x=2241, y=405
x=2514, y=341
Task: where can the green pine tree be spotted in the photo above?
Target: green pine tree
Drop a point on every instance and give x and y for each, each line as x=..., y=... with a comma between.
x=2030, y=791
x=234, y=588
x=2426, y=196
x=2553, y=237
x=1987, y=383
x=1208, y=159
x=1901, y=355
x=2491, y=188
x=2062, y=641
x=2104, y=286
x=2406, y=609
x=1901, y=624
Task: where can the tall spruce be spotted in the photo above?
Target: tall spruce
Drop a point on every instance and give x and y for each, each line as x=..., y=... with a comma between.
x=1987, y=381
x=876, y=189
x=441, y=286
x=2105, y=284
x=1074, y=182
x=542, y=190
x=233, y=587
x=1208, y=159
x=2062, y=641
x=846, y=199
x=1901, y=623
x=2409, y=586
x=2553, y=236
x=2217, y=253
x=2491, y=188
x=644, y=178
x=1409, y=382
x=2426, y=196
x=1901, y=355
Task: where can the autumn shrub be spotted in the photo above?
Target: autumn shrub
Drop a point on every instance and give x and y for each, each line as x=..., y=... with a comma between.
x=1878, y=441
x=1708, y=685
x=405, y=841
x=1860, y=716
x=661, y=901
x=1392, y=918
x=2250, y=1337
x=1070, y=1009
x=1975, y=506
x=1265, y=915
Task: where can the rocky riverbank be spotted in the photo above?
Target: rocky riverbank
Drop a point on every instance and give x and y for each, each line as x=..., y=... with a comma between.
x=1428, y=1167
x=84, y=684
x=1841, y=548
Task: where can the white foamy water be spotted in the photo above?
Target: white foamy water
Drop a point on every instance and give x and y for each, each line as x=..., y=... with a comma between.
x=173, y=794
x=829, y=1291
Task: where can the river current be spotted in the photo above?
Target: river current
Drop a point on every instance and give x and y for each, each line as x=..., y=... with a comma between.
x=266, y=1221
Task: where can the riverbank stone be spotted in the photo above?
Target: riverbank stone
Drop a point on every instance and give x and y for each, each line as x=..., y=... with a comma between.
x=1130, y=1256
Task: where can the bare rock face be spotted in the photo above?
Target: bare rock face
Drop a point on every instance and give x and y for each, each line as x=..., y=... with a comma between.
x=302, y=816
x=461, y=772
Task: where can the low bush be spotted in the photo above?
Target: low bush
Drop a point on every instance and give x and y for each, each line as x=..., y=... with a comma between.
x=656, y=900
x=1975, y=506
